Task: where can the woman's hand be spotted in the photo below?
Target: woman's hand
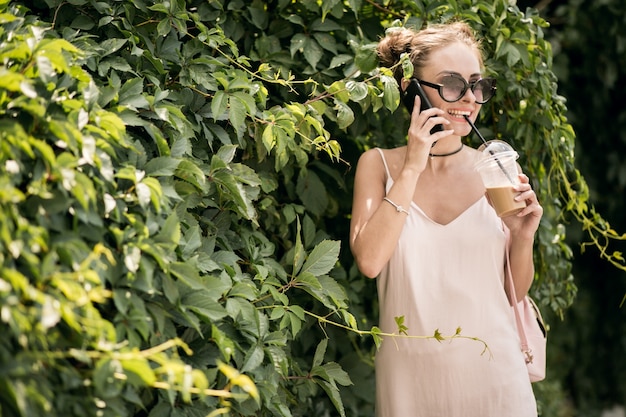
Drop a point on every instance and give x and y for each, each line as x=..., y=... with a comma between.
x=524, y=224
x=420, y=140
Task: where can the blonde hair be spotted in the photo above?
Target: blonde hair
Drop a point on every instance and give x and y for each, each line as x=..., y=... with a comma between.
x=420, y=44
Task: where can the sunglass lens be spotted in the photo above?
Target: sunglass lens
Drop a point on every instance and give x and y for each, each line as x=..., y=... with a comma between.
x=453, y=88
x=483, y=90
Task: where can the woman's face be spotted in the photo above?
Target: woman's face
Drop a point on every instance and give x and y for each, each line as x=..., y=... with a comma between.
x=461, y=60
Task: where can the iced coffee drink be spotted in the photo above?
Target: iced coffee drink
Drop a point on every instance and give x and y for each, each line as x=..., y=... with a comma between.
x=503, y=200
x=498, y=170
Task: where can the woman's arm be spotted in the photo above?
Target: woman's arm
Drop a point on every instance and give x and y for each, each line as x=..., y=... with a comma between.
x=376, y=224
x=522, y=227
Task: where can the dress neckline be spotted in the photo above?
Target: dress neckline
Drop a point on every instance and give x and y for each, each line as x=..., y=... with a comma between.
x=461, y=214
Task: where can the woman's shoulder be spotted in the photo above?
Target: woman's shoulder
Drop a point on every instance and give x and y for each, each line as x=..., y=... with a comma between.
x=382, y=163
x=370, y=160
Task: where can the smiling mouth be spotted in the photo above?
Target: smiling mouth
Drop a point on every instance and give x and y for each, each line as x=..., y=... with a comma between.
x=459, y=113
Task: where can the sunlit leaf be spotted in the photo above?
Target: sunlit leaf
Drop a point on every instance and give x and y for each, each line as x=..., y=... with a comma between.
x=322, y=258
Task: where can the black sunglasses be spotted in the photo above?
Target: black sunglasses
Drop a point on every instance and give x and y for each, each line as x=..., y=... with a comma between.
x=453, y=87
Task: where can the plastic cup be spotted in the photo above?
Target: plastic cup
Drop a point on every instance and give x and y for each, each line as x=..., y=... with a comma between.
x=499, y=172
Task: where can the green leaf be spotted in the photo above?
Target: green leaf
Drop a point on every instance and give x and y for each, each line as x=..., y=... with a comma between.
x=158, y=138
x=139, y=372
x=340, y=91
x=219, y=104
x=312, y=192
x=190, y=172
x=292, y=321
x=164, y=166
x=269, y=137
x=223, y=342
x=294, y=317
x=366, y=58
x=105, y=382
x=322, y=258
x=110, y=46
x=170, y=231
x=245, y=290
x=335, y=397
x=253, y=359
x=170, y=290
x=247, y=317
x=187, y=274
x=192, y=241
x=237, y=112
x=131, y=94
x=358, y=90
x=438, y=336
x=227, y=153
x=339, y=60
x=320, y=351
x=333, y=373
x=202, y=304
x=402, y=329
x=345, y=115
x=298, y=251
x=391, y=93
x=310, y=281
x=511, y=53
x=12, y=81
x=234, y=191
x=154, y=191
x=277, y=312
x=376, y=336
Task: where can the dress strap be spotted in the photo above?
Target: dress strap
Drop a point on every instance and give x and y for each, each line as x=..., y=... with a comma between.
x=382, y=155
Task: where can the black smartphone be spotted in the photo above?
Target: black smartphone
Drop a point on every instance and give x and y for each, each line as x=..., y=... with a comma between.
x=414, y=88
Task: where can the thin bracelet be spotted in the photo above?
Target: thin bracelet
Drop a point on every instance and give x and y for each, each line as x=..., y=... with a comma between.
x=398, y=207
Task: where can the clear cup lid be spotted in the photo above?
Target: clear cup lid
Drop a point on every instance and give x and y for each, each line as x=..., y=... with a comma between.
x=494, y=147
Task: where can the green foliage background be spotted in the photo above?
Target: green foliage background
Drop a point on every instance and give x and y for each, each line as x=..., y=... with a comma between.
x=175, y=189
x=589, y=345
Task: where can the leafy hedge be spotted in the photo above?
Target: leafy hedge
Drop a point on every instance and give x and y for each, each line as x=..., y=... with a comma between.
x=175, y=189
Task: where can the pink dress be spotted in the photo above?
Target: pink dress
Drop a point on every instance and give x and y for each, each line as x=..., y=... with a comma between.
x=444, y=277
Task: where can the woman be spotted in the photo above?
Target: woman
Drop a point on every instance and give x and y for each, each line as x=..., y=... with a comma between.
x=421, y=224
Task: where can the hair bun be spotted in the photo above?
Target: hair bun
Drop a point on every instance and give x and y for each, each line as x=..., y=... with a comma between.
x=396, y=42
